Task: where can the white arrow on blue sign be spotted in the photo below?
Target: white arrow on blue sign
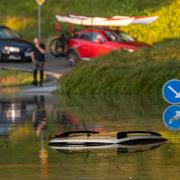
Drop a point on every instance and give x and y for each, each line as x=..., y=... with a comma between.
x=171, y=117
x=171, y=91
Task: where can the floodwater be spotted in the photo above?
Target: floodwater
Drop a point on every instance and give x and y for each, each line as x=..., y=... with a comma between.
x=27, y=122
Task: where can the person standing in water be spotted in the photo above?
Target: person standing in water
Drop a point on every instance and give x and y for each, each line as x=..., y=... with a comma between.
x=38, y=59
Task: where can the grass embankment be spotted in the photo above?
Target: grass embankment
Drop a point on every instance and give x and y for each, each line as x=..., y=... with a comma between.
x=140, y=73
x=22, y=15
x=137, y=69
x=13, y=78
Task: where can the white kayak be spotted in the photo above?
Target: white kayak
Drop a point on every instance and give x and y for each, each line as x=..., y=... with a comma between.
x=115, y=21
x=80, y=140
x=95, y=21
x=139, y=19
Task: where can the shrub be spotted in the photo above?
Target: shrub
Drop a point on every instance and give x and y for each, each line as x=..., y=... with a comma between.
x=142, y=73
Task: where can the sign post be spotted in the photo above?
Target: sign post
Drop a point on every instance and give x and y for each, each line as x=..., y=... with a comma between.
x=39, y=3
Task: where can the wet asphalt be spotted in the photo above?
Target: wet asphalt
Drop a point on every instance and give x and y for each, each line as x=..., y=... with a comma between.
x=54, y=68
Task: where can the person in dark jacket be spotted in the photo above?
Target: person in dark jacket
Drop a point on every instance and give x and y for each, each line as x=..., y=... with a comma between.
x=38, y=59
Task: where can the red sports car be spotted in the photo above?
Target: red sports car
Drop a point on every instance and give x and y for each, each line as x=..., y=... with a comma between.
x=92, y=43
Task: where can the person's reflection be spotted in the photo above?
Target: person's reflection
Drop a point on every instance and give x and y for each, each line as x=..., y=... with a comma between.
x=39, y=116
x=67, y=122
x=40, y=124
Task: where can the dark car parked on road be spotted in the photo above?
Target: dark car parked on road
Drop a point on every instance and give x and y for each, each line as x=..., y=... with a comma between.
x=13, y=47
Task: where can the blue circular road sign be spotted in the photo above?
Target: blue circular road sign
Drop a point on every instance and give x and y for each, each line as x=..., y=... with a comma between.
x=171, y=91
x=171, y=117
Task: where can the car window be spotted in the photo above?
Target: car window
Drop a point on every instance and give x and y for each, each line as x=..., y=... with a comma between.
x=96, y=37
x=112, y=36
x=125, y=37
x=2, y=35
x=85, y=36
x=8, y=34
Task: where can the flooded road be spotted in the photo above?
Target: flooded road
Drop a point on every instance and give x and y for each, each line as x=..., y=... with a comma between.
x=27, y=122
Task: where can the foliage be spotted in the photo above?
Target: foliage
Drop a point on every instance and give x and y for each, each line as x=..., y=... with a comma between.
x=167, y=25
x=141, y=73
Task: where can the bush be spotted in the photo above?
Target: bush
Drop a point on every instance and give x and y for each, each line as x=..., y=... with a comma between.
x=141, y=73
x=167, y=26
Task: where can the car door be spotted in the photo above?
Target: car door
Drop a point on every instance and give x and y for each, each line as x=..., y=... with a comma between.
x=84, y=44
x=99, y=45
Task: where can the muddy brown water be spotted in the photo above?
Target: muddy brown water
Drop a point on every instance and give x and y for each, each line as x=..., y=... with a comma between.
x=26, y=122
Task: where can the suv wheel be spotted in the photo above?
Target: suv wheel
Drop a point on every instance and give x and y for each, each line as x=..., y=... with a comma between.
x=72, y=57
x=57, y=47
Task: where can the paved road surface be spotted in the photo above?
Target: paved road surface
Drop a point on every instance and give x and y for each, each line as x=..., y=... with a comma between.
x=54, y=65
x=55, y=68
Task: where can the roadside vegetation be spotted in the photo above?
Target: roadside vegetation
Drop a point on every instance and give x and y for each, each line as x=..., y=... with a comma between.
x=22, y=16
x=140, y=73
x=13, y=78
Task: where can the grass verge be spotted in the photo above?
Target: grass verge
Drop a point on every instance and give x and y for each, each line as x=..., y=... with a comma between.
x=12, y=78
x=22, y=15
x=140, y=73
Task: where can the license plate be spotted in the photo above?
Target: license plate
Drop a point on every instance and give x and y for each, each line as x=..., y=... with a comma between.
x=12, y=57
x=28, y=54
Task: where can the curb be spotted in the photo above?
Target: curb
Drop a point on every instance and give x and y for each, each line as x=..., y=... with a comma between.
x=36, y=90
x=55, y=75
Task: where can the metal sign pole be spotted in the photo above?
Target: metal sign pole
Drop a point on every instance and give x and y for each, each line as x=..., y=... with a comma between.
x=39, y=3
x=39, y=22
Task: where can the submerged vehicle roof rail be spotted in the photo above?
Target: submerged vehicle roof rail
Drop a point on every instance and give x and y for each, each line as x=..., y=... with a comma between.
x=66, y=134
x=125, y=133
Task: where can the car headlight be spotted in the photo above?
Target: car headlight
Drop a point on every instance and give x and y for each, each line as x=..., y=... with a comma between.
x=9, y=49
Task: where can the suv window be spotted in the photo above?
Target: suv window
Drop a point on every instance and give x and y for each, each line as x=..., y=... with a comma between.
x=8, y=34
x=2, y=35
x=85, y=36
x=125, y=38
x=96, y=37
x=111, y=36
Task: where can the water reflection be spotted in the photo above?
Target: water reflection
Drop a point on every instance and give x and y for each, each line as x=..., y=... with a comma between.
x=66, y=121
x=115, y=147
x=14, y=112
x=39, y=120
x=141, y=148
x=26, y=122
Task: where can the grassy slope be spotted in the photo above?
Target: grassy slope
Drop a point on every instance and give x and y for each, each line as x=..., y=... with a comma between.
x=21, y=15
x=141, y=73
x=11, y=78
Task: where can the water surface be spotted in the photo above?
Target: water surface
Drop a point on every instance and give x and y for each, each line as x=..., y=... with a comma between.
x=27, y=122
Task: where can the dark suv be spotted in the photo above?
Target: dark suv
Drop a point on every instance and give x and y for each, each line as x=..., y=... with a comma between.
x=13, y=47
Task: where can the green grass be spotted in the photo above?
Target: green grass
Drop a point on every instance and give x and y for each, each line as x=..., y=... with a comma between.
x=146, y=71
x=140, y=73
x=24, y=14
x=13, y=78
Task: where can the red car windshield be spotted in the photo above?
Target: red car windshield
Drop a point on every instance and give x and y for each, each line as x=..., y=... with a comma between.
x=111, y=36
x=125, y=37
x=122, y=37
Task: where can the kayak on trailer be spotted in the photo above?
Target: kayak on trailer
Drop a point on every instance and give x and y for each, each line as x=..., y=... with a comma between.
x=79, y=140
x=114, y=21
